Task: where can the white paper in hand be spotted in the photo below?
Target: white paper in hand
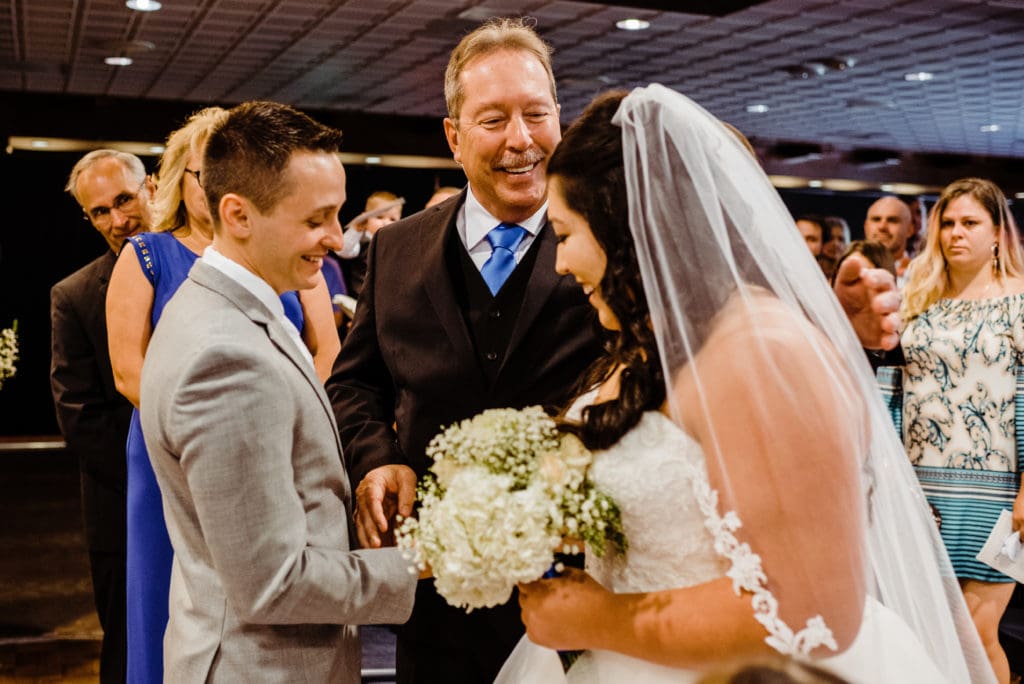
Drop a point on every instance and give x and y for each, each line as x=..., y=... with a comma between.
x=347, y=304
x=1011, y=546
x=1002, y=548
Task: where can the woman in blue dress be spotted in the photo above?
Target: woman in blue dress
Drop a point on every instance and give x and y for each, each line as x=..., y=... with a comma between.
x=148, y=273
x=963, y=342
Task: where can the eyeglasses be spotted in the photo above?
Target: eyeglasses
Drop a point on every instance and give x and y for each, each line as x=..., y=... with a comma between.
x=196, y=174
x=125, y=202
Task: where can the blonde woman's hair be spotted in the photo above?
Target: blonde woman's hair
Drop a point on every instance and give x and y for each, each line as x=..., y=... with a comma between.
x=168, y=205
x=504, y=33
x=928, y=278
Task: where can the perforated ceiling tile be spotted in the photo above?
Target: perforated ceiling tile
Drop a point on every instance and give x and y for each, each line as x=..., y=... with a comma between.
x=389, y=57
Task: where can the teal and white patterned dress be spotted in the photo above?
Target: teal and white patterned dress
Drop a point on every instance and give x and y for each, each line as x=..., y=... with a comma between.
x=959, y=388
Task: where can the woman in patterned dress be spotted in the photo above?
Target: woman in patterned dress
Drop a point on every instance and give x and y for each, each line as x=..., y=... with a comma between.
x=964, y=338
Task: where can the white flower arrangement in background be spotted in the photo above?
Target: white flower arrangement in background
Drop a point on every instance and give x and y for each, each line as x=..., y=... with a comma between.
x=506, y=487
x=8, y=352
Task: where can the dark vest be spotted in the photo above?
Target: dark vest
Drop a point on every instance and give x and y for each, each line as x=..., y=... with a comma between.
x=490, y=318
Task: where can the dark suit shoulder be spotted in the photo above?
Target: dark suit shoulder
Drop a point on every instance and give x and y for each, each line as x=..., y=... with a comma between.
x=84, y=280
x=423, y=224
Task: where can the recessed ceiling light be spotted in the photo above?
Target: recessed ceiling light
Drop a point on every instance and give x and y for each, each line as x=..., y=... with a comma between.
x=40, y=143
x=886, y=187
x=814, y=183
x=870, y=103
x=806, y=70
x=156, y=149
x=841, y=63
x=757, y=108
x=989, y=128
x=633, y=24
x=1019, y=195
x=118, y=61
x=373, y=160
x=919, y=76
x=143, y=5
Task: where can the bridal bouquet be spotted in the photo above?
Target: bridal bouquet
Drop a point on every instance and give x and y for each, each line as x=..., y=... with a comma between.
x=8, y=352
x=506, y=487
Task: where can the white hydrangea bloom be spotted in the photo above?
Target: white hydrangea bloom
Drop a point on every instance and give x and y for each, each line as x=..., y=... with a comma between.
x=504, y=489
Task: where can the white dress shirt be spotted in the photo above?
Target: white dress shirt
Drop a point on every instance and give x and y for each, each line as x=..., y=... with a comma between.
x=474, y=223
x=259, y=289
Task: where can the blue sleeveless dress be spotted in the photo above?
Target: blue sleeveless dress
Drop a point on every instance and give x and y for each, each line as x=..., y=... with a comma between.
x=166, y=263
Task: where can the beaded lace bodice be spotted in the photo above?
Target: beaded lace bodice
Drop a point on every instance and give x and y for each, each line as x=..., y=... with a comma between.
x=657, y=475
x=669, y=545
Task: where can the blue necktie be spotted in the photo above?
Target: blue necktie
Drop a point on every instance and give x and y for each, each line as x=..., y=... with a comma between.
x=504, y=239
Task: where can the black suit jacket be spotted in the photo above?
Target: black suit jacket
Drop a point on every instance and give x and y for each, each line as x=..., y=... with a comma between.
x=408, y=367
x=92, y=415
x=409, y=360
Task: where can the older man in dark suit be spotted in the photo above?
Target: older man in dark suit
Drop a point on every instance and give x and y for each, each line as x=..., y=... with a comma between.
x=111, y=188
x=462, y=311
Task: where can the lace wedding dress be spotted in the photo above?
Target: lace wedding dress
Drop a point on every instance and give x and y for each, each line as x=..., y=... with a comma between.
x=657, y=476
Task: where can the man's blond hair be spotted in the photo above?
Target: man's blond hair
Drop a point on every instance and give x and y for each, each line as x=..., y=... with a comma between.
x=504, y=33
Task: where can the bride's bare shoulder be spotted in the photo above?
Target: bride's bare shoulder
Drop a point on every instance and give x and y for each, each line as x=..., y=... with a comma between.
x=756, y=315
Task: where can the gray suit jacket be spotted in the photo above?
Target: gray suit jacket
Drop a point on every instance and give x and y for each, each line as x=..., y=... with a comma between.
x=246, y=451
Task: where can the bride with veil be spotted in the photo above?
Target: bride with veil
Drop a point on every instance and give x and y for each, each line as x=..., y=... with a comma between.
x=768, y=504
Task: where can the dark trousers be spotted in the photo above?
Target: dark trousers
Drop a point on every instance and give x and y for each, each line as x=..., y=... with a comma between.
x=440, y=643
x=108, y=590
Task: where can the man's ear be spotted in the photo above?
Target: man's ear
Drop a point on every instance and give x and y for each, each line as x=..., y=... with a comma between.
x=150, y=185
x=235, y=216
x=451, y=132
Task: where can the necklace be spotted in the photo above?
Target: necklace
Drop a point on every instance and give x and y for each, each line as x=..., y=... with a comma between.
x=975, y=292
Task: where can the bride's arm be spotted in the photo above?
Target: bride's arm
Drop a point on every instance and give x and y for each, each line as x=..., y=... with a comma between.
x=689, y=627
x=784, y=432
x=781, y=429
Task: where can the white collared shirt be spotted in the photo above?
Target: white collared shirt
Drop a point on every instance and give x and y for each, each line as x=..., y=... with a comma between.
x=474, y=223
x=260, y=289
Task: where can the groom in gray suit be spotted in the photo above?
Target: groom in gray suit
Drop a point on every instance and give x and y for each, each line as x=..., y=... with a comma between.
x=242, y=437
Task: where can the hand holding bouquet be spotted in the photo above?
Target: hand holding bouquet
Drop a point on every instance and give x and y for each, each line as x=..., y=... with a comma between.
x=505, y=488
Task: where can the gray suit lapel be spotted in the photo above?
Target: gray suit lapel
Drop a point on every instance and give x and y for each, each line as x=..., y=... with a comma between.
x=213, y=279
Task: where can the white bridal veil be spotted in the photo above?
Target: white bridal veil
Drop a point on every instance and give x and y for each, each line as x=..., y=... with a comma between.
x=763, y=368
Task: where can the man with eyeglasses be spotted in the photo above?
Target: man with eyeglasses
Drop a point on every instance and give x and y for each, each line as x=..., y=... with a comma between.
x=113, y=191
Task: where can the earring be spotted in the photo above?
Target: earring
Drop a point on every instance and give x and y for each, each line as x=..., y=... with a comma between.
x=995, y=258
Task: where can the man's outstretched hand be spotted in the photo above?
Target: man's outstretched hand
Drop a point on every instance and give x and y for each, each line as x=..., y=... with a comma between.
x=869, y=297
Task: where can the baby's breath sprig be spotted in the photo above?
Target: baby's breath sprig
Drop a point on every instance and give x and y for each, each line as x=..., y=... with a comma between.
x=504, y=489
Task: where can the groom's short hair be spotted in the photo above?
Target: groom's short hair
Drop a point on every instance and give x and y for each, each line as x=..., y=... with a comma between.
x=248, y=152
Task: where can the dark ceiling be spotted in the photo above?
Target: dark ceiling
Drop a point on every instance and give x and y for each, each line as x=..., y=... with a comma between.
x=830, y=75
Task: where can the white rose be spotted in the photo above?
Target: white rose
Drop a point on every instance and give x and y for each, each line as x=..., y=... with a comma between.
x=553, y=470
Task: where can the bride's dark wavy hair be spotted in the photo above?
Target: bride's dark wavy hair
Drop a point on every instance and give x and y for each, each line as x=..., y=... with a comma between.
x=588, y=164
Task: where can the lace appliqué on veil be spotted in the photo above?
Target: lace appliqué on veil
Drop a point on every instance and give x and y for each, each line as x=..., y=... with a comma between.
x=746, y=573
